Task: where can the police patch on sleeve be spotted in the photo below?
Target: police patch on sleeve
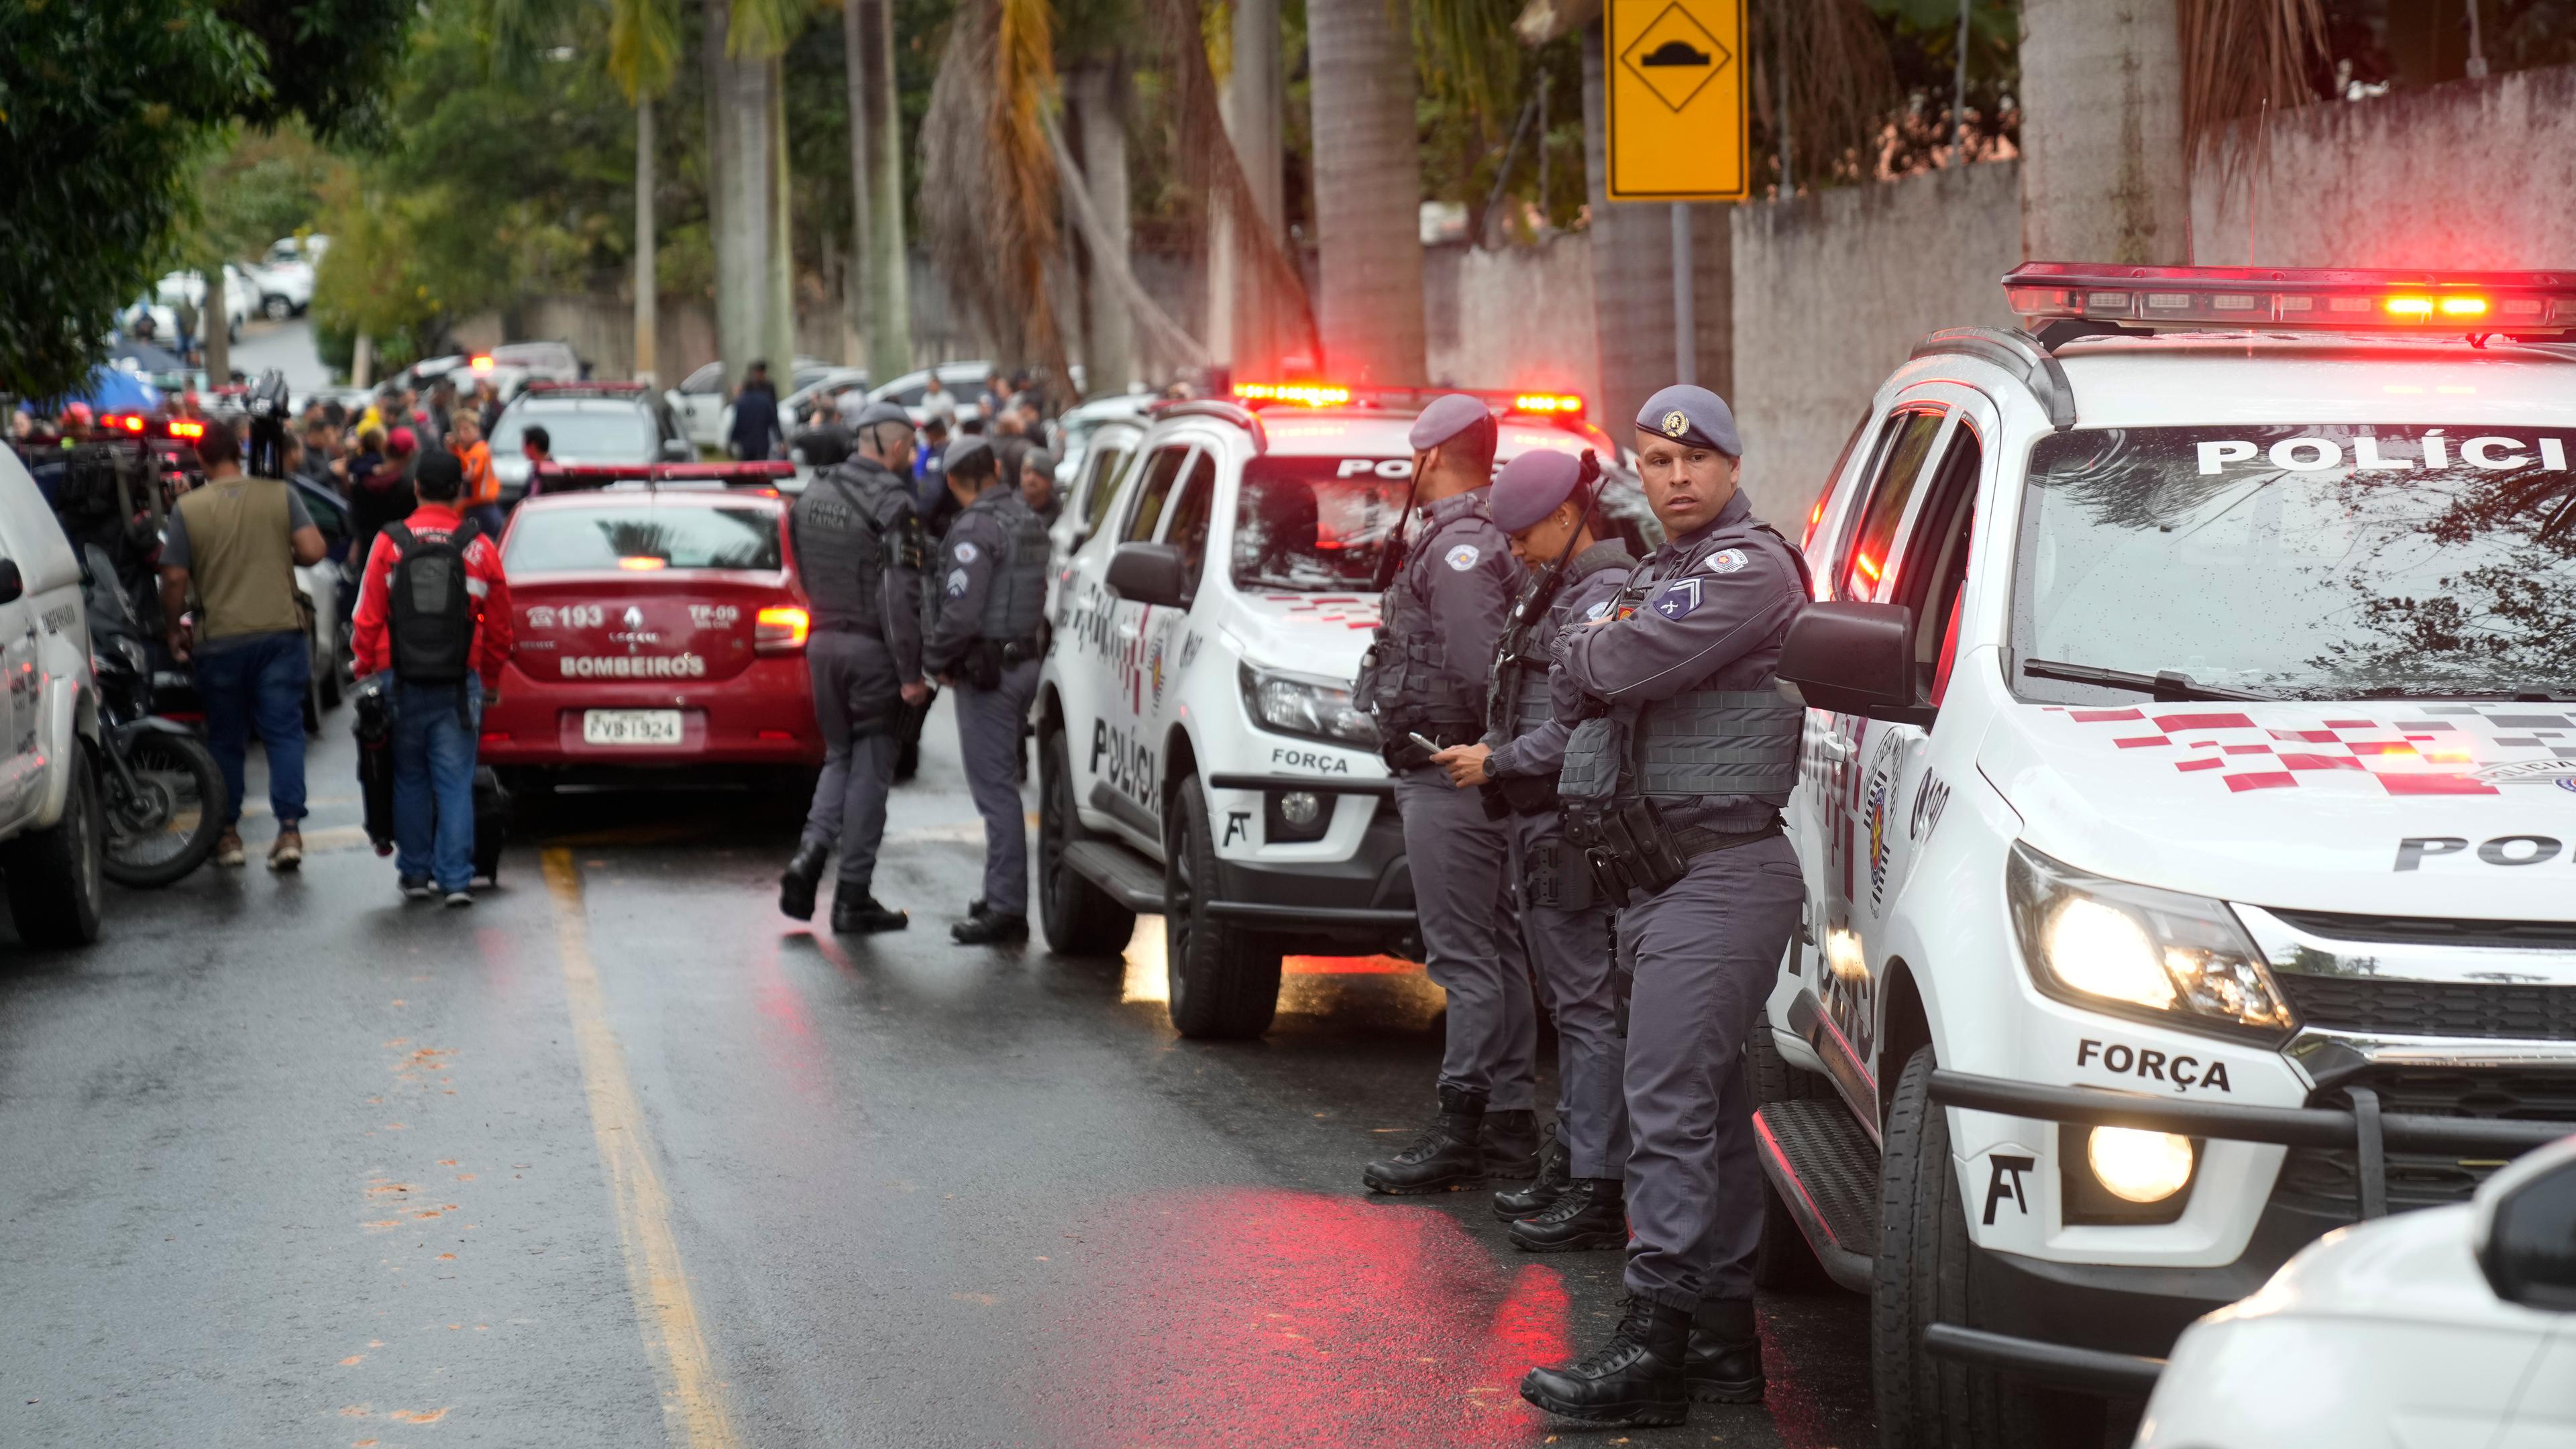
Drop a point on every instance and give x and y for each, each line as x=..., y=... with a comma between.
x=965, y=551
x=1676, y=599
x=1598, y=610
x=1462, y=558
x=1726, y=561
x=957, y=579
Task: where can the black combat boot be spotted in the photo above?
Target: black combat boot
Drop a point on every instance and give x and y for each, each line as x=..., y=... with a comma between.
x=1447, y=1156
x=1555, y=1168
x=1724, y=1364
x=1592, y=1212
x=1511, y=1144
x=804, y=873
x=1634, y=1380
x=856, y=912
x=988, y=928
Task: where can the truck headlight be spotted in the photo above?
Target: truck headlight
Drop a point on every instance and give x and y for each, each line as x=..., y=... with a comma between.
x=1312, y=709
x=2133, y=950
x=2138, y=1166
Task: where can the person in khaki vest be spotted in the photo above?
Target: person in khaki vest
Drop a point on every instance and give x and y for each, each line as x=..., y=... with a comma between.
x=236, y=542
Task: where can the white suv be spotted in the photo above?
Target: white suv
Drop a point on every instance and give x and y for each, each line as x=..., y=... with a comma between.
x=1198, y=753
x=52, y=828
x=2186, y=814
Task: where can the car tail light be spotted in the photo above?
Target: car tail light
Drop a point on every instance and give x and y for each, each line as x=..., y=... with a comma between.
x=779, y=629
x=188, y=430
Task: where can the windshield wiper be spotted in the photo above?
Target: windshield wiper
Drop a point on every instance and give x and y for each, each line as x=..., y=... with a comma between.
x=2168, y=685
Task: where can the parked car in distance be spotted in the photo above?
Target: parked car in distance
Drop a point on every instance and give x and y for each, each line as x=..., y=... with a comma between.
x=964, y=382
x=704, y=403
x=587, y=422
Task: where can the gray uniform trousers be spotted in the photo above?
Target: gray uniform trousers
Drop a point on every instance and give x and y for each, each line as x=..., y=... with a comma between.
x=1706, y=951
x=1462, y=890
x=856, y=695
x=1571, y=953
x=988, y=737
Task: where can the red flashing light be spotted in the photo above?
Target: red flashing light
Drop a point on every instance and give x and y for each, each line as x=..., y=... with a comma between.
x=131, y=422
x=1867, y=566
x=1815, y=516
x=1302, y=394
x=1552, y=404
x=642, y=564
x=482, y=362
x=185, y=429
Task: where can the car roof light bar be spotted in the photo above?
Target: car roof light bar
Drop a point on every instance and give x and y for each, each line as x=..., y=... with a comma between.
x=2298, y=299
x=569, y=476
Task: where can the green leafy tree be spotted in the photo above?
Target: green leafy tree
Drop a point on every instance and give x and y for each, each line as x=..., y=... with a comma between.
x=106, y=108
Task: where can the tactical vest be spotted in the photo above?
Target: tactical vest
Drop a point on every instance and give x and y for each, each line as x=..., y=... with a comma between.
x=1406, y=680
x=240, y=557
x=1016, y=603
x=1699, y=744
x=1521, y=698
x=843, y=546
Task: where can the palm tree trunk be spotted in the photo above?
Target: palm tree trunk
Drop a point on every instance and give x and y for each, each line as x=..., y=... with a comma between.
x=854, y=280
x=738, y=168
x=1243, y=323
x=1092, y=93
x=648, y=291
x=782, y=237
x=2103, y=175
x=876, y=180
x=1368, y=217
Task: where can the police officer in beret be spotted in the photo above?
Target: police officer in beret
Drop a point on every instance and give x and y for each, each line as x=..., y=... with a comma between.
x=985, y=641
x=1544, y=500
x=1674, y=782
x=1425, y=682
x=859, y=551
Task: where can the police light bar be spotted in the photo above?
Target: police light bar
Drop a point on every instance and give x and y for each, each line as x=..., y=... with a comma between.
x=1334, y=395
x=597, y=389
x=564, y=477
x=2303, y=299
x=481, y=362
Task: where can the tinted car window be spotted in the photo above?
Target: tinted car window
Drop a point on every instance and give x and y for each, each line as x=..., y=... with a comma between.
x=1105, y=466
x=1315, y=524
x=645, y=538
x=1190, y=515
x=1159, y=473
x=1867, y=559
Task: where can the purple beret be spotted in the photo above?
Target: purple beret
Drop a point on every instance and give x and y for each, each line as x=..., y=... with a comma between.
x=1532, y=486
x=1446, y=418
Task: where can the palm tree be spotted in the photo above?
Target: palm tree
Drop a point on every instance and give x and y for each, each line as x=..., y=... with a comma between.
x=876, y=187
x=1369, y=197
x=643, y=57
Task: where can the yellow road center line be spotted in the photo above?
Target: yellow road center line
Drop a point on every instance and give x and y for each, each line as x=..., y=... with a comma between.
x=692, y=1402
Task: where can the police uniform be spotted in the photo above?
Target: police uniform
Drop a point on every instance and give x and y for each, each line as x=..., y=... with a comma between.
x=991, y=606
x=1675, y=785
x=1565, y=923
x=1427, y=674
x=859, y=554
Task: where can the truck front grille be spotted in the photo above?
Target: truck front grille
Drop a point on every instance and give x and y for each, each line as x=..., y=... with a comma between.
x=2322, y=1180
x=2480, y=1009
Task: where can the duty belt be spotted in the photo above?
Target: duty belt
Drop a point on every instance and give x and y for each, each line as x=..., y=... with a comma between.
x=1632, y=853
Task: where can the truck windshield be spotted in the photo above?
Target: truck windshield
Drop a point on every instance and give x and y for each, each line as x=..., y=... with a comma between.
x=1316, y=524
x=2320, y=562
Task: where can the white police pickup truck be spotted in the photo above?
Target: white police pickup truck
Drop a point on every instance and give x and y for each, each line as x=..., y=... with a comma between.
x=1199, y=757
x=53, y=827
x=2188, y=813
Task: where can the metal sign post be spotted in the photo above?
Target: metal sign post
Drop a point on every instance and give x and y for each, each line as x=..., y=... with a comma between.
x=1674, y=109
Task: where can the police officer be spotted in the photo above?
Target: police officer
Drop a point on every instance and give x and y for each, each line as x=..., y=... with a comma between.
x=985, y=642
x=1674, y=783
x=859, y=550
x=1544, y=500
x=1425, y=682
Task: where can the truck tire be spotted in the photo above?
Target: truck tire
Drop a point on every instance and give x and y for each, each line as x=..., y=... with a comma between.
x=57, y=883
x=1784, y=1259
x=1923, y=1278
x=1080, y=918
x=1224, y=979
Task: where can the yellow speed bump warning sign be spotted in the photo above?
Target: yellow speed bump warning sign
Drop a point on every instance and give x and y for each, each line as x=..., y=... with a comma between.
x=1676, y=100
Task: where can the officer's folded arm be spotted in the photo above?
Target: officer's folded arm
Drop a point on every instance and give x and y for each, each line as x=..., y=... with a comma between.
x=1649, y=657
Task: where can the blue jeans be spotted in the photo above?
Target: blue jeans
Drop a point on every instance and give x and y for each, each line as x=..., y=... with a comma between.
x=434, y=781
x=257, y=680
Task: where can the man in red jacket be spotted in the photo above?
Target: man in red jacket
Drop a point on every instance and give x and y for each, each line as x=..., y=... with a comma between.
x=435, y=619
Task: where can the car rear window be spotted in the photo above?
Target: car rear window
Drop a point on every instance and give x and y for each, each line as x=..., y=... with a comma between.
x=591, y=432
x=645, y=538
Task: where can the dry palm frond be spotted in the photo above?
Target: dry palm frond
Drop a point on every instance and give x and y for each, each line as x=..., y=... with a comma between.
x=643, y=46
x=1209, y=168
x=988, y=188
x=1827, y=62
x=2240, y=59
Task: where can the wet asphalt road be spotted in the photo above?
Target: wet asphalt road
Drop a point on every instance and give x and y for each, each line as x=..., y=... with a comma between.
x=623, y=1157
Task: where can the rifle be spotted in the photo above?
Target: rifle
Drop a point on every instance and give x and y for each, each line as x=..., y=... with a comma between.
x=1392, y=556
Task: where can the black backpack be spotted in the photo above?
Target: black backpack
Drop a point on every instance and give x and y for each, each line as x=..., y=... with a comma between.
x=433, y=610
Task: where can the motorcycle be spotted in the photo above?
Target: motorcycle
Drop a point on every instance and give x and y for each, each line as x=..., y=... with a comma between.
x=164, y=794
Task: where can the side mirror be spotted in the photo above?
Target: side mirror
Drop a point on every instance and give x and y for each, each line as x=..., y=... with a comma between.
x=1150, y=573
x=1856, y=658
x=2525, y=1235
x=677, y=450
x=13, y=584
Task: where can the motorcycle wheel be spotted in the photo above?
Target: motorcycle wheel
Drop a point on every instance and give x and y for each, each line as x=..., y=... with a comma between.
x=166, y=827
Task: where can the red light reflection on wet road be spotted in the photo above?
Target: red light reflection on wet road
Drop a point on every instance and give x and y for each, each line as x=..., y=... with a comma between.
x=1259, y=1317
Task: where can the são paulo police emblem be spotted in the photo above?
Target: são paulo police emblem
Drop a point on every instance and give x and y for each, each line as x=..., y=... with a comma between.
x=1463, y=557
x=1675, y=424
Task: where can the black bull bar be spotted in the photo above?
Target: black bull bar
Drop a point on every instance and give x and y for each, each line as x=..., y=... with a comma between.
x=2370, y=1132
